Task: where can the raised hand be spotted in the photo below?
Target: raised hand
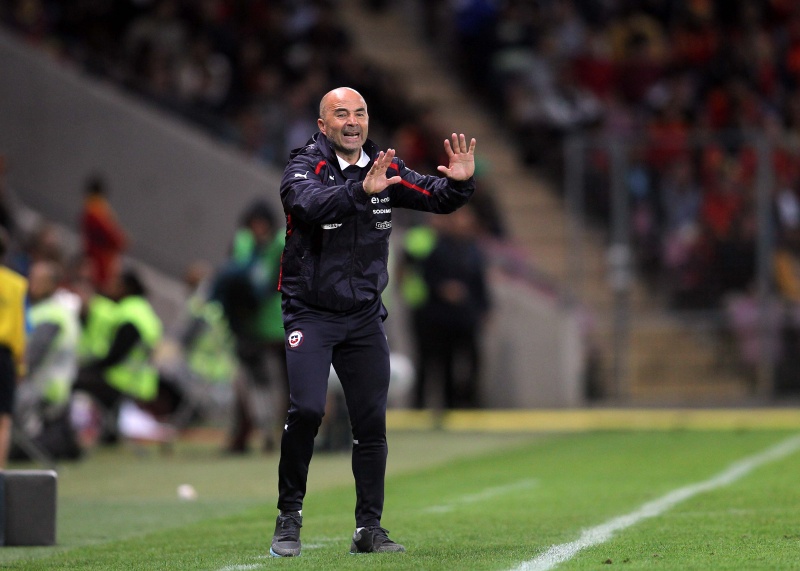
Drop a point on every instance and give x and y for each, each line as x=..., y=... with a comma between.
x=376, y=180
x=462, y=159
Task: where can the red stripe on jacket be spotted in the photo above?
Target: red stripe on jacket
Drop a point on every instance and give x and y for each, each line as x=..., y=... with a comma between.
x=408, y=184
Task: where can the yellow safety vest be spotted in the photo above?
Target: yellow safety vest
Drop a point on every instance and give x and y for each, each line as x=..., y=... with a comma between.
x=98, y=331
x=136, y=375
x=55, y=375
x=13, y=288
x=212, y=355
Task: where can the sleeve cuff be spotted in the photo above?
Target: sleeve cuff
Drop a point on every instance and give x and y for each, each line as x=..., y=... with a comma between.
x=462, y=184
x=359, y=194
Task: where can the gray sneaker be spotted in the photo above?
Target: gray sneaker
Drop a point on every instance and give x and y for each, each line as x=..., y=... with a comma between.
x=374, y=539
x=286, y=541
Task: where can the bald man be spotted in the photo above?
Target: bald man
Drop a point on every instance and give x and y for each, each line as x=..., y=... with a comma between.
x=338, y=193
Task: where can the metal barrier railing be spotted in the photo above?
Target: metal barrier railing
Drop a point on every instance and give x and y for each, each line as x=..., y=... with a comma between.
x=695, y=228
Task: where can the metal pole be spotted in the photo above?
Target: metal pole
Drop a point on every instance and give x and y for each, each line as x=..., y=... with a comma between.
x=765, y=381
x=619, y=260
x=574, y=161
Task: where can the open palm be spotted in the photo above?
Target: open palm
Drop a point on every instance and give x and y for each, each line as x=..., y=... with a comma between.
x=462, y=157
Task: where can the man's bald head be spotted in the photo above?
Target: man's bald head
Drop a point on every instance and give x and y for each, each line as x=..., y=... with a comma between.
x=337, y=95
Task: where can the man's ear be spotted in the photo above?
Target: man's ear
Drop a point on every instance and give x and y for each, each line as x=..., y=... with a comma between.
x=321, y=126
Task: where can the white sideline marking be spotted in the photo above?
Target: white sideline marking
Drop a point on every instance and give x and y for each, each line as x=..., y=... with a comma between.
x=602, y=533
x=486, y=494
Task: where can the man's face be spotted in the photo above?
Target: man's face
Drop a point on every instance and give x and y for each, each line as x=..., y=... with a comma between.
x=345, y=122
x=41, y=281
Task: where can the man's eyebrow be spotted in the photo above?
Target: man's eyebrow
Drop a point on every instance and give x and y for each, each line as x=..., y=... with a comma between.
x=337, y=109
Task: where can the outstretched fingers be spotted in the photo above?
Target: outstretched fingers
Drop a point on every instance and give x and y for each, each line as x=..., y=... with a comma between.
x=460, y=142
x=376, y=180
x=461, y=157
x=382, y=162
x=457, y=144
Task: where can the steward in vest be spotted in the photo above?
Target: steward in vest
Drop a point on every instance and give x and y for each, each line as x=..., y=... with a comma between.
x=208, y=343
x=205, y=337
x=445, y=286
x=198, y=363
x=42, y=410
x=13, y=290
x=247, y=289
x=126, y=369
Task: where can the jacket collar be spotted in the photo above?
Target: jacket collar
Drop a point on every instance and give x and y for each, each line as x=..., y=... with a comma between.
x=362, y=161
x=321, y=142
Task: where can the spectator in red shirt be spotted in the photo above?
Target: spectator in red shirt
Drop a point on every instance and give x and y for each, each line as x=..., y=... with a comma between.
x=104, y=240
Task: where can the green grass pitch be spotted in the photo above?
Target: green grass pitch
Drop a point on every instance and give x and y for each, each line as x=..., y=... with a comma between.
x=493, y=497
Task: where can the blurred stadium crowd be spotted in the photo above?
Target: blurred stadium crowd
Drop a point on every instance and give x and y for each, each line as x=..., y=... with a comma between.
x=249, y=72
x=703, y=98
x=687, y=85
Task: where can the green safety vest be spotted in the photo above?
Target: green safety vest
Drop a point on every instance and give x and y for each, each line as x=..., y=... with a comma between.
x=54, y=376
x=268, y=321
x=419, y=242
x=98, y=331
x=212, y=355
x=136, y=375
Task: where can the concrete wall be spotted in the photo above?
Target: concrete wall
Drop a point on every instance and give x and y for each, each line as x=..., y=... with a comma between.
x=178, y=193
x=533, y=350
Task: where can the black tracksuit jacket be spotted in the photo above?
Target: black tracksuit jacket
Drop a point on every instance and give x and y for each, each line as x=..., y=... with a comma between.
x=337, y=236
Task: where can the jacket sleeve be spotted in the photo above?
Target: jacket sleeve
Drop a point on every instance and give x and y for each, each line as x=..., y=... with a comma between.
x=308, y=196
x=436, y=194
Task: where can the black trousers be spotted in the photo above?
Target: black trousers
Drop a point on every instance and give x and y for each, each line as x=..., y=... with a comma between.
x=355, y=344
x=448, y=364
x=8, y=380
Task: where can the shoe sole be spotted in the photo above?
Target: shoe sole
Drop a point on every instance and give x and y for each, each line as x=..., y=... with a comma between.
x=378, y=552
x=273, y=554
